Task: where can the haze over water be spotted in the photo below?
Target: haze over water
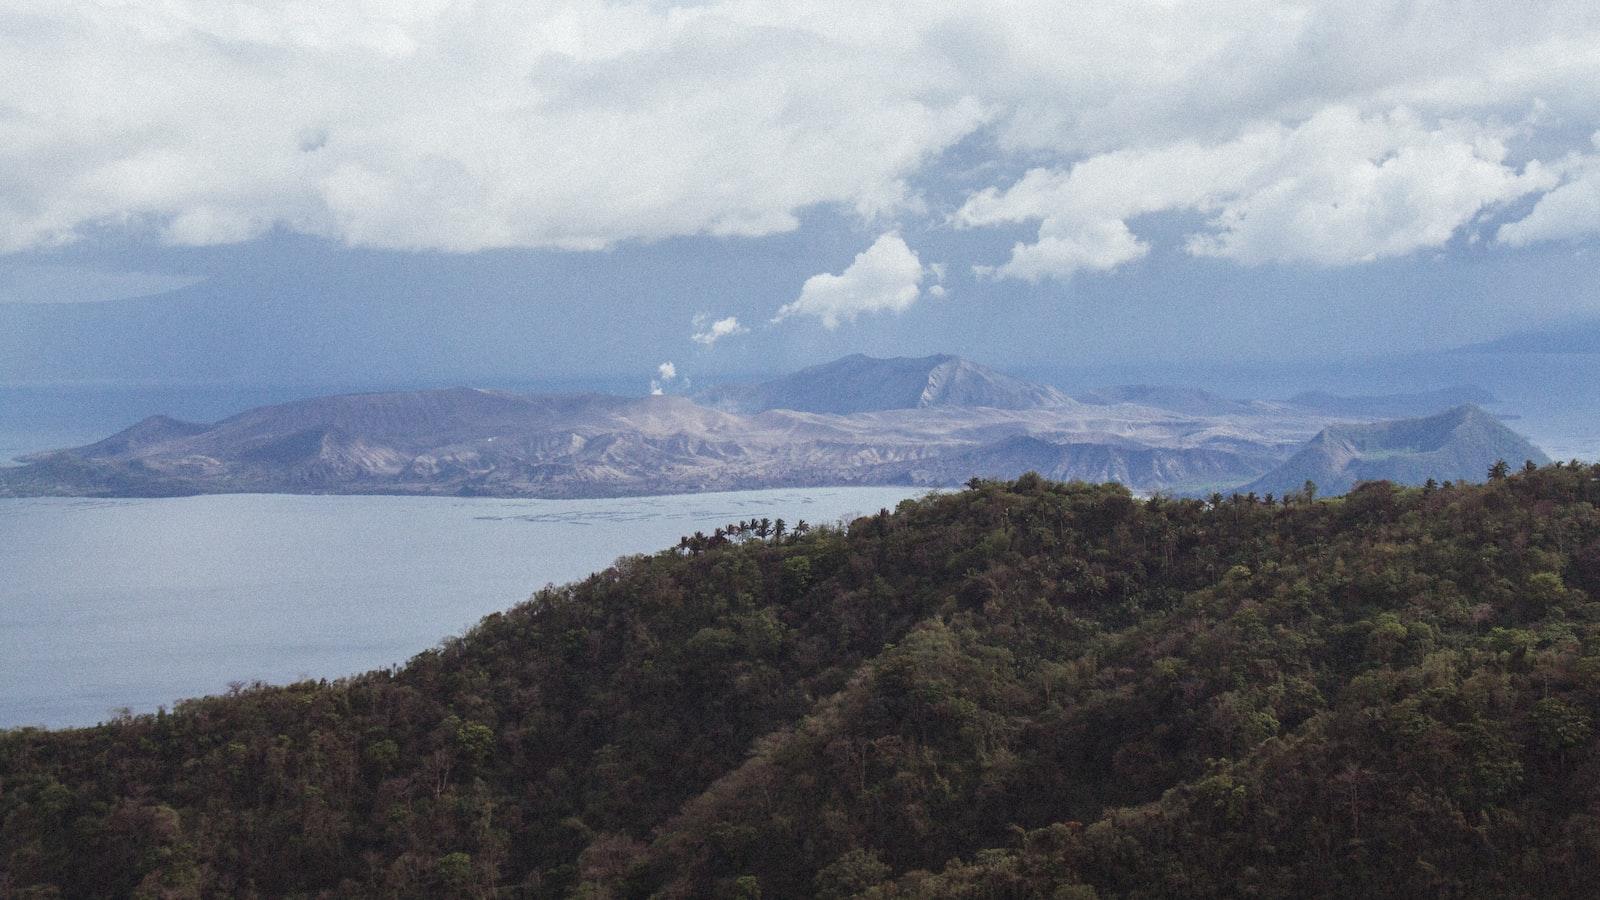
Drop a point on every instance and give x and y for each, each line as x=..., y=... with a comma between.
x=108, y=604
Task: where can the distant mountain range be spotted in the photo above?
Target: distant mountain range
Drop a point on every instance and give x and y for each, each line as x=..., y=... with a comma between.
x=1572, y=337
x=1186, y=400
x=1393, y=405
x=935, y=421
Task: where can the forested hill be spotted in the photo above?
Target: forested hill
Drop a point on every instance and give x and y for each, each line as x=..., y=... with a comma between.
x=1024, y=689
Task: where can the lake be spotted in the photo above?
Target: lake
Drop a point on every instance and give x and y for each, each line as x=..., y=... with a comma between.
x=135, y=603
x=110, y=604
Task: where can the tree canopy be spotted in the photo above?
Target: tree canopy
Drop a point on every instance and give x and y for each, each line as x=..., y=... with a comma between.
x=1024, y=689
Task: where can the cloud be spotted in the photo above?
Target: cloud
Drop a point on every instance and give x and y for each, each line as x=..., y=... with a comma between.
x=1060, y=251
x=459, y=126
x=1569, y=212
x=708, y=332
x=884, y=277
x=1337, y=189
x=54, y=283
x=455, y=126
x=666, y=373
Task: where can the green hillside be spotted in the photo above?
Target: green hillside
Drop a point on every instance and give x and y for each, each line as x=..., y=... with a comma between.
x=1024, y=689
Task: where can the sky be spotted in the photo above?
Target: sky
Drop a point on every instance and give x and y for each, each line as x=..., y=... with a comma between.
x=324, y=192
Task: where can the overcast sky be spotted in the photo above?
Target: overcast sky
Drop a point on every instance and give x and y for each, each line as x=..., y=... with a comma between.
x=608, y=186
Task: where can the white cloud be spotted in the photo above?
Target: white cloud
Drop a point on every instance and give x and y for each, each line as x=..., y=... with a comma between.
x=1061, y=251
x=885, y=277
x=468, y=124
x=456, y=125
x=708, y=332
x=1569, y=212
x=1337, y=189
x=55, y=283
x=1349, y=190
x=666, y=373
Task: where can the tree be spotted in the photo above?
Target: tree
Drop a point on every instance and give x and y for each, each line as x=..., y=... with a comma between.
x=854, y=872
x=1146, y=685
x=1499, y=470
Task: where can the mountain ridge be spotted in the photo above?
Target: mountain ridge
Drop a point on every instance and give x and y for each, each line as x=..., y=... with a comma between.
x=935, y=421
x=861, y=383
x=1022, y=689
x=1458, y=444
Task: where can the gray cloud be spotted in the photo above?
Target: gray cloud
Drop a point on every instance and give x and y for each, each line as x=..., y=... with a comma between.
x=462, y=126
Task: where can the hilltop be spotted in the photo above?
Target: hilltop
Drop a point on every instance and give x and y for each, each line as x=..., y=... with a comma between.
x=1456, y=445
x=859, y=383
x=1023, y=689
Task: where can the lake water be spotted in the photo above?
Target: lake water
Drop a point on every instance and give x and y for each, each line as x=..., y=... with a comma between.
x=106, y=604
x=135, y=603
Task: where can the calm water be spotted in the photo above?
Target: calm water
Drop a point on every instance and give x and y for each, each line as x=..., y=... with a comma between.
x=136, y=603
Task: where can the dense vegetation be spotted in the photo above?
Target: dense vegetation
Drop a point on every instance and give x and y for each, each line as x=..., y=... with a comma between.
x=1024, y=689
